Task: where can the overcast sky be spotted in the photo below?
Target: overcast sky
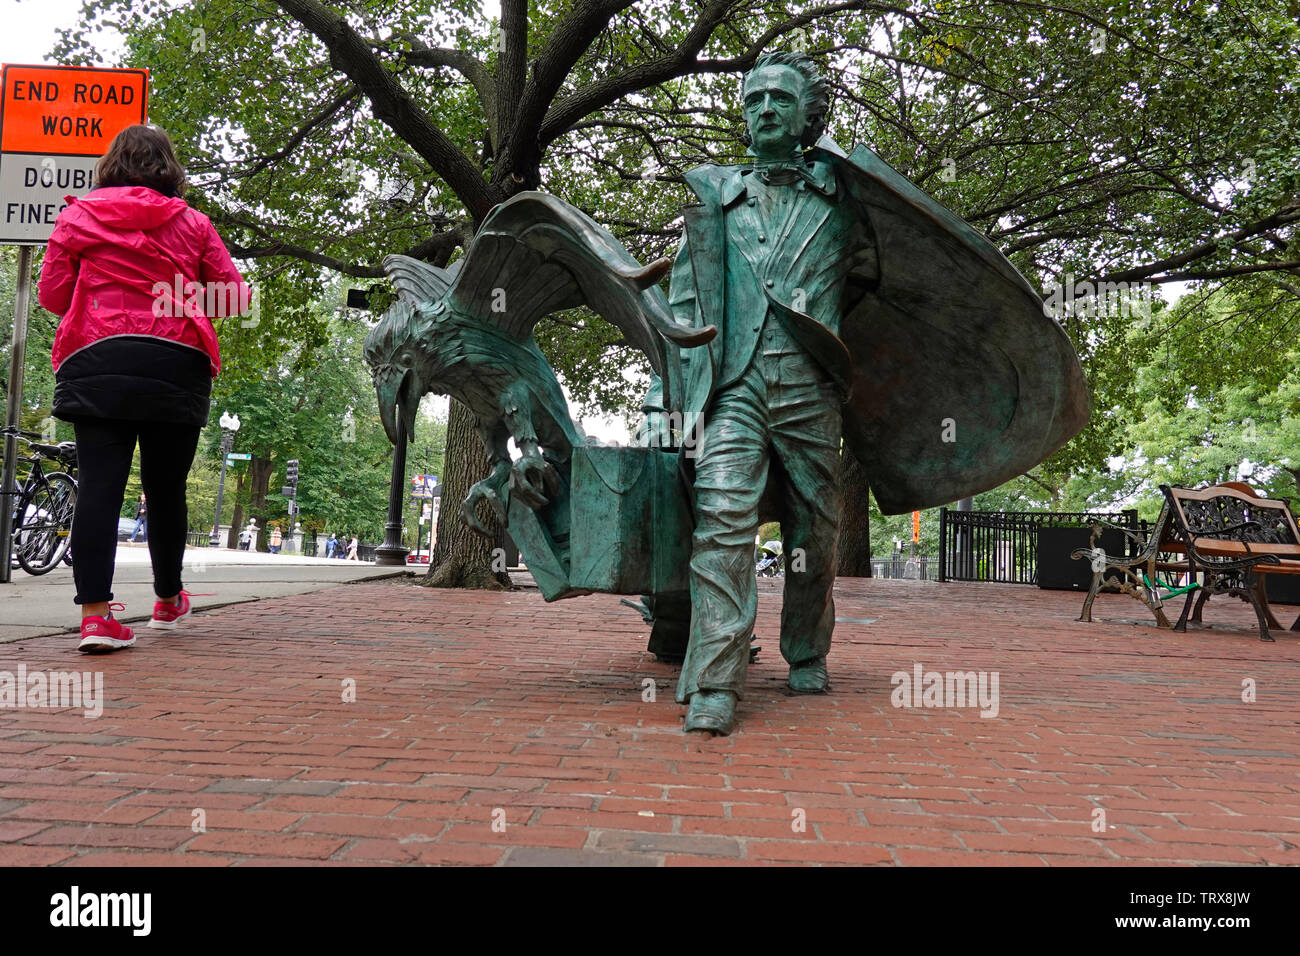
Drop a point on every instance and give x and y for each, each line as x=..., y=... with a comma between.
x=30, y=27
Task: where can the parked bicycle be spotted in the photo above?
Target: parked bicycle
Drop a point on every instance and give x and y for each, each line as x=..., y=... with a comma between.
x=43, y=507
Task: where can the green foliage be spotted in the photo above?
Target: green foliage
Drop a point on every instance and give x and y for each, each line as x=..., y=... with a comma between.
x=318, y=407
x=886, y=530
x=1221, y=416
x=1108, y=139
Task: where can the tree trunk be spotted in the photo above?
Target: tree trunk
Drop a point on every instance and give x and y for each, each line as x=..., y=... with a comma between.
x=259, y=477
x=855, y=520
x=462, y=558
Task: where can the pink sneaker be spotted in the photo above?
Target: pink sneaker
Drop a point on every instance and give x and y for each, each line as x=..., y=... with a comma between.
x=166, y=615
x=100, y=634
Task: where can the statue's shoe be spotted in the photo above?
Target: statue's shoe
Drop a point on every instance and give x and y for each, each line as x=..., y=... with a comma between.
x=712, y=711
x=810, y=677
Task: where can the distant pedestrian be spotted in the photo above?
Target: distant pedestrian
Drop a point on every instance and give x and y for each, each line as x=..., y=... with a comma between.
x=276, y=539
x=133, y=363
x=331, y=546
x=141, y=520
x=352, y=549
x=248, y=537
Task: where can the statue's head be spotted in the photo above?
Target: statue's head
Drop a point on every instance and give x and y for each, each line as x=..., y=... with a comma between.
x=785, y=102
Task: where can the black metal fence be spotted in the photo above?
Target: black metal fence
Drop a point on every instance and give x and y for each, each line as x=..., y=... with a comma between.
x=924, y=567
x=1002, y=546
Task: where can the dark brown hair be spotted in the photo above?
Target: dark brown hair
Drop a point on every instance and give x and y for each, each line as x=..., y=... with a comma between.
x=142, y=156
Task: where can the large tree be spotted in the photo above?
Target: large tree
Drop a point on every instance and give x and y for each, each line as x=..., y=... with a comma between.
x=1108, y=141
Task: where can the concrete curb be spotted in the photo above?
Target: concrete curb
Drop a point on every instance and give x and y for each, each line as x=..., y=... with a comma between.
x=137, y=618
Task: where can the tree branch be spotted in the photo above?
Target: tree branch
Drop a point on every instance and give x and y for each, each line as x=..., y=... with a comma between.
x=568, y=41
x=349, y=93
x=1151, y=272
x=352, y=55
x=588, y=100
x=512, y=72
x=437, y=248
x=423, y=55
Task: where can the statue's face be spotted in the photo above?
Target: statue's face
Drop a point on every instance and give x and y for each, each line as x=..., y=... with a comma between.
x=774, y=111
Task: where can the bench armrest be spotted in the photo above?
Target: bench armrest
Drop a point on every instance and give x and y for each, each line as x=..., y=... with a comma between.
x=1138, y=538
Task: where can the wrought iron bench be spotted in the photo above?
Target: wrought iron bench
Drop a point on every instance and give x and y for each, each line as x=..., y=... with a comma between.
x=1225, y=533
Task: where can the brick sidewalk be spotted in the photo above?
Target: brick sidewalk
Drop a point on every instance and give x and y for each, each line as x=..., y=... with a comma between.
x=479, y=707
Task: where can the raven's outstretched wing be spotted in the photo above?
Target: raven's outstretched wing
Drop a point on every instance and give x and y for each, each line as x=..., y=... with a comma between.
x=418, y=282
x=536, y=254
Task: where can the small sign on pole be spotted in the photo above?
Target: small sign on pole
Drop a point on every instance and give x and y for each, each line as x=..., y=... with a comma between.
x=916, y=527
x=422, y=485
x=55, y=123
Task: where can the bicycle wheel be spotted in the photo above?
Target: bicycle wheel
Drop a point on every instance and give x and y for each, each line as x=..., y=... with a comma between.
x=45, y=527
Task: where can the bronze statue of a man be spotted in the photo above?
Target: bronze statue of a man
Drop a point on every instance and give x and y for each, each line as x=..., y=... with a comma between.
x=817, y=294
x=770, y=257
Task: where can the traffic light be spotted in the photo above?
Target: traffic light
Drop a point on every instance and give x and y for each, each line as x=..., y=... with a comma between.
x=291, y=475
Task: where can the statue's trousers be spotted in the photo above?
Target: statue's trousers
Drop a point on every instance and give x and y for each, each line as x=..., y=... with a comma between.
x=779, y=420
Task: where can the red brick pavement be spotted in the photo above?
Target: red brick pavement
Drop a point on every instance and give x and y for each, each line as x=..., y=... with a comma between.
x=479, y=708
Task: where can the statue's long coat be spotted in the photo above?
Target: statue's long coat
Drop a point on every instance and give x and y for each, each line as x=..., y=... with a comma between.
x=957, y=378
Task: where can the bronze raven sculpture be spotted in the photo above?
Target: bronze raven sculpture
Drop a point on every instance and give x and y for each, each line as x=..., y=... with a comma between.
x=467, y=331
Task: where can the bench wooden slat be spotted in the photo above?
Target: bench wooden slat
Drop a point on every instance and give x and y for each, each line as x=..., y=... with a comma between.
x=1220, y=548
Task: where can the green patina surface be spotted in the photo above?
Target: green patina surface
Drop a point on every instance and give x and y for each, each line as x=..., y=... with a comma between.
x=817, y=296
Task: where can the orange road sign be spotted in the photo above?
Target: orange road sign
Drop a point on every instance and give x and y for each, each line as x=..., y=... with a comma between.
x=55, y=123
x=68, y=110
x=916, y=527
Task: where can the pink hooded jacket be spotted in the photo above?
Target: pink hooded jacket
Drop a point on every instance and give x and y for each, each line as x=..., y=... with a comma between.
x=129, y=261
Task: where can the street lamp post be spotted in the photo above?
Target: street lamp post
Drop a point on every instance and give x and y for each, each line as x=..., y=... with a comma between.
x=229, y=425
x=391, y=552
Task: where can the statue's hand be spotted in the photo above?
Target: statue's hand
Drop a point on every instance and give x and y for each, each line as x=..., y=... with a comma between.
x=492, y=490
x=532, y=478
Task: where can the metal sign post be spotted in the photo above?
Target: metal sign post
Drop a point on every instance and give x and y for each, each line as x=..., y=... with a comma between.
x=13, y=411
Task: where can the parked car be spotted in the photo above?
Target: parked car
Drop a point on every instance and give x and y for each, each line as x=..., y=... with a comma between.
x=124, y=528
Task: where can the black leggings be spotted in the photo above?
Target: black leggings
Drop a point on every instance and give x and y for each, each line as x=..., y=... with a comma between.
x=104, y=452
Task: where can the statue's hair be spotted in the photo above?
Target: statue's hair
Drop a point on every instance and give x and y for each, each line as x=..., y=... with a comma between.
x=816, y=94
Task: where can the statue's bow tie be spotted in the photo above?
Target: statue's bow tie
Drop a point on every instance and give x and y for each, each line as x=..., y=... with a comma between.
x=784, y=174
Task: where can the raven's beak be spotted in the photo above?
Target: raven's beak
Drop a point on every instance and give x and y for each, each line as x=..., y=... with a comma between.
x=398, y=400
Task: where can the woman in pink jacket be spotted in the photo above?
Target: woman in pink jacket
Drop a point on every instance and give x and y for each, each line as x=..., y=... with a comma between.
x=137, y=276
